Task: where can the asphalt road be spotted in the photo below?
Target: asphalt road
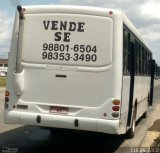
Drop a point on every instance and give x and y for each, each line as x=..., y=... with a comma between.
x=25, y=139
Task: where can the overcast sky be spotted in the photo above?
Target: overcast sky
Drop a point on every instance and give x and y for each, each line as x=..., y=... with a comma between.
x=144, y=14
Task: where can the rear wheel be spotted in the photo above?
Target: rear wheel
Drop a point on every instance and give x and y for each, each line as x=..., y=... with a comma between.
x=148, y=99
x=145, y=115
x=131, y=132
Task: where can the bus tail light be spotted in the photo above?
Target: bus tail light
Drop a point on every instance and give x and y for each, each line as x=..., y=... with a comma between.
x=110, y=12
x=115, y=114
x=7, y=93
x=116, y=108
x=6, y=106
x=116, y=102
x=6, y=99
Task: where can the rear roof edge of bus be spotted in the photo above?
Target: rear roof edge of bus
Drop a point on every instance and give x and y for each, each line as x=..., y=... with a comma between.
x=131, y=26
x=71, y=9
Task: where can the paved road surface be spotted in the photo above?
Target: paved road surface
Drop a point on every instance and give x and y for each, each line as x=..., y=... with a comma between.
x=25, y=139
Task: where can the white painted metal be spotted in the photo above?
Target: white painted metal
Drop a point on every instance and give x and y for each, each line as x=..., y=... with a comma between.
x=88, y=89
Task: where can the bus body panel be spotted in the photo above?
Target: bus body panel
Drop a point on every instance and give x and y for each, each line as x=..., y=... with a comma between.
x=68, y=122
x=141, y=84
x=66, y=91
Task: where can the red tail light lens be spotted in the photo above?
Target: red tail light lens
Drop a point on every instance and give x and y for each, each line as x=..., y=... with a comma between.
x=110, y=12
x=115, y=108
x=7, y=93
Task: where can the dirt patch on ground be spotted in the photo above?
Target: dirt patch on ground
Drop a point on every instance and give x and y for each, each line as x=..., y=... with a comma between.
x=156, y=126
x=156, y=144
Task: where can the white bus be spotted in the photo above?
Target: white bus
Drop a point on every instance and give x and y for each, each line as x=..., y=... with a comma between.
x=80, y=68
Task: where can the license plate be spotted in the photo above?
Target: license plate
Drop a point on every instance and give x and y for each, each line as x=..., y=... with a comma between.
x=59, y=110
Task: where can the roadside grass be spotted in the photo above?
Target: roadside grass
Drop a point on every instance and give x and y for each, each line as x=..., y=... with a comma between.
x=2, y=81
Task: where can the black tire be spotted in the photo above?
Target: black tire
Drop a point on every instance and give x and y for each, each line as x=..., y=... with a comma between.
x=131, y=132
x=145, y=115
x=148, y=99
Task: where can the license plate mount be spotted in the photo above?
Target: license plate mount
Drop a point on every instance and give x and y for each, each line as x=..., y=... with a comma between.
x=58, y=110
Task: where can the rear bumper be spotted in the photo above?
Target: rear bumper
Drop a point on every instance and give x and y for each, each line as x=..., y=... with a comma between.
x=68, y=122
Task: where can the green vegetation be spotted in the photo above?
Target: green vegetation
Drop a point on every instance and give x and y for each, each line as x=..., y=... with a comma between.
x=2, y=81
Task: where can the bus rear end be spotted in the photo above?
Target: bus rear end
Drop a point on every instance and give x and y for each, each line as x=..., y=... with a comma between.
x=61, y=71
